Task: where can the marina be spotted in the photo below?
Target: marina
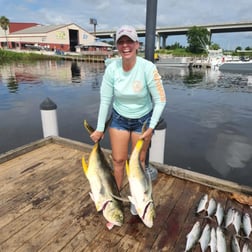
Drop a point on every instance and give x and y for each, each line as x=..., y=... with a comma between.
x=45, y=204
x=214, y=60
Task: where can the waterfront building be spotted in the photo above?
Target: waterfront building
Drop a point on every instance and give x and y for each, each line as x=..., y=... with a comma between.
x=58, y=38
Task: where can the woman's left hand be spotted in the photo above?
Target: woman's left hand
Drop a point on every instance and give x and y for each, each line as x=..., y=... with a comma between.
x=147, y=134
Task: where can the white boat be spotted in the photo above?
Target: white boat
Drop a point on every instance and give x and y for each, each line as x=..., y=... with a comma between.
x=236, y=66
x=218, y=60
x=215, y=57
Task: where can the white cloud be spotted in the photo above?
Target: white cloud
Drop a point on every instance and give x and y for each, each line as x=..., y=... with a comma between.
x=110, y=14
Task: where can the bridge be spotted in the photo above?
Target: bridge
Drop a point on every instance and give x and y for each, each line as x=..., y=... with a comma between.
x=164, y=32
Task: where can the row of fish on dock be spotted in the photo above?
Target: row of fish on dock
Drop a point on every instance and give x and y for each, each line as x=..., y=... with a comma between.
x=104, y=190
x=214, y=236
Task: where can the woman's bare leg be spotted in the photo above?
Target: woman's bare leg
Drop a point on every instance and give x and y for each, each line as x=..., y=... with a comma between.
x=119, y=140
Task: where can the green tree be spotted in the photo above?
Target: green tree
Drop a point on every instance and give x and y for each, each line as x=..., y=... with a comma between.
x=176, y=45
x=4, y=23
x=214, y=46
x=198, y=39
x=238, y=48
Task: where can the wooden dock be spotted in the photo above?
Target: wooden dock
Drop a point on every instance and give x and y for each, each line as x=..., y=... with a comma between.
x=45, y=205
x=84, y=57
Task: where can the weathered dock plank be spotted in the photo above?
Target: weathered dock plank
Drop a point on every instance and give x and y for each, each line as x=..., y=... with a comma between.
x=176, y=221
x=31, y=182
x=45, y=205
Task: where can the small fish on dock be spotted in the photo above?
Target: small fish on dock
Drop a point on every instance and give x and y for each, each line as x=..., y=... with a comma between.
x=237, y=222
x=202, y=204
x=246, y=224
x=246, y=247
x=205, y=238
x=193, y=236
x=211, y=208
x=235, y=247
x=221, y=240
x=229, y=217
x=219, y=214
x=213, y=240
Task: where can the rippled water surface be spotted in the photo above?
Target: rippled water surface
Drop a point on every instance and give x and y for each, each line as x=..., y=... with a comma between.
x=208, y=113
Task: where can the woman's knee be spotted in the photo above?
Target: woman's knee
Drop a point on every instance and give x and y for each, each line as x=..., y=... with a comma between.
x=119, y=162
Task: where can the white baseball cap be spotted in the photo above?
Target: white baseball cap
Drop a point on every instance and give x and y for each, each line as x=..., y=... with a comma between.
x=128, y=31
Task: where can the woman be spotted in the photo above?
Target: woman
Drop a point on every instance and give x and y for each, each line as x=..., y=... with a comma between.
x=136, y=89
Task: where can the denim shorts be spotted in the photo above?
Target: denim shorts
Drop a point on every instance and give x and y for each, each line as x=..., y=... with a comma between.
x=129, y=124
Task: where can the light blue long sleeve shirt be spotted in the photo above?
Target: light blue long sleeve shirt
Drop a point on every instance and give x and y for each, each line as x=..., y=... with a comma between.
x=134, y=93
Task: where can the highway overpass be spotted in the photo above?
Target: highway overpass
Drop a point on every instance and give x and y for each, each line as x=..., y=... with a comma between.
x=164, y=32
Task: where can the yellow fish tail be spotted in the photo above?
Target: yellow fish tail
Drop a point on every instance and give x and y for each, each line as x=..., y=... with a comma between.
x=127, y=167
x=88, y=127
x=84, y=165
x=139, y=145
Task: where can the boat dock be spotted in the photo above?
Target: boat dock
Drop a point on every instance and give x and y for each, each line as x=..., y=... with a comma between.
x=92, y=56
x=45, y=204
x=190, y=62
x=83, y=57
x=200, y=63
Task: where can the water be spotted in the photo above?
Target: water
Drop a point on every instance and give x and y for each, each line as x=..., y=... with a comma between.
x=208, y=113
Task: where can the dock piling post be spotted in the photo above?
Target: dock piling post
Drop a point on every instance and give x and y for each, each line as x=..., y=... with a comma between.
x=158, y=143
x=49, y=118
x=151, y=16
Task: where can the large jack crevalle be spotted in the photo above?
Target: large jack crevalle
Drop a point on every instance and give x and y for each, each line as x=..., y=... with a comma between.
x=140, y=187
x=103, y=184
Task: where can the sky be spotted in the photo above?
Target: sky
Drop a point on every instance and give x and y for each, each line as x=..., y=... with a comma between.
x=111, y=14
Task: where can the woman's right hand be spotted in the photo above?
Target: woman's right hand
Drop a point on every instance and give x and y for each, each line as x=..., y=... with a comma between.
x=96, y=136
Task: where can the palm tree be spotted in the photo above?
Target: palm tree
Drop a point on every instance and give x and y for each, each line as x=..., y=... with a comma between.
x=4, y=23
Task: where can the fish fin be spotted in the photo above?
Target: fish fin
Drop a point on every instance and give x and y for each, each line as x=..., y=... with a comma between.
x=88, y=127
x=132, y=200
x=208, y=217
x=144, y=128
x=119, y=198
x=98, y=205
x=127, y=167
x=91, y=196
x=84, y=165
